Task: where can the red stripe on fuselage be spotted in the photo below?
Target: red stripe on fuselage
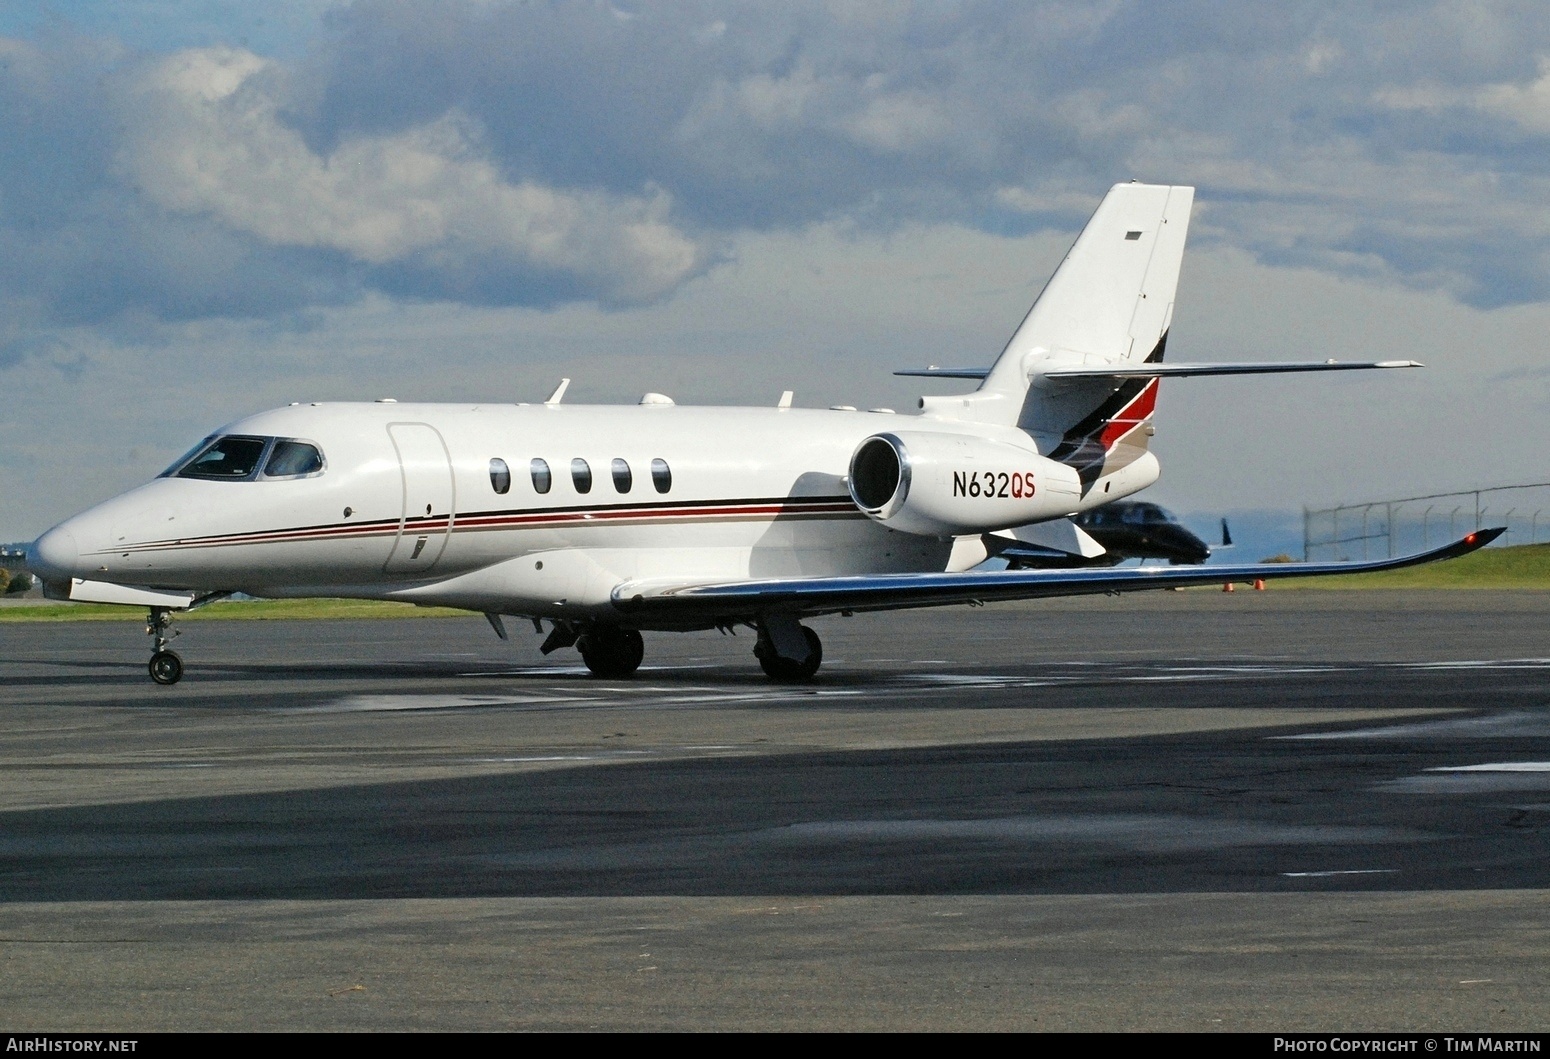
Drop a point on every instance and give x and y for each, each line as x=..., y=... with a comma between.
x=712, y=511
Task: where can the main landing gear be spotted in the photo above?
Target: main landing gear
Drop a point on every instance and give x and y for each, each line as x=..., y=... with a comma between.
x=166, y=667
x=788, y=652
x=610, y=652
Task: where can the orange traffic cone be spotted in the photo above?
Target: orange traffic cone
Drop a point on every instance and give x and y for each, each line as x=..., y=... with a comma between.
x=1259, y=586
x=1227, y=587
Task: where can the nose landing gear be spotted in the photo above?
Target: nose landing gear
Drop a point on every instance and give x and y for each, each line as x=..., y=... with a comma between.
x=165, y=667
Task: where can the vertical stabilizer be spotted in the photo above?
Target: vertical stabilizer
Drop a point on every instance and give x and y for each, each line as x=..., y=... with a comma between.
x=1110, y=302
x=1112, y=296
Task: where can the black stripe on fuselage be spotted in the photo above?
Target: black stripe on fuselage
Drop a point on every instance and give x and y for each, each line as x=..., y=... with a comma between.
x=771, y=508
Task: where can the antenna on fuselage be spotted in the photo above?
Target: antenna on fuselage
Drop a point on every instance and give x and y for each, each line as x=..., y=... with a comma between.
x=559, y=392
x=785, y=399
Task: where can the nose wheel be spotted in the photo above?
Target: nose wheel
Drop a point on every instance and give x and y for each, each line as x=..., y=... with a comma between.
x=165, y=666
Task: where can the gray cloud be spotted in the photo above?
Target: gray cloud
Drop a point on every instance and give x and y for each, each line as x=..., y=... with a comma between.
x=203, y=137
x=530, y=155
x=1306, y=123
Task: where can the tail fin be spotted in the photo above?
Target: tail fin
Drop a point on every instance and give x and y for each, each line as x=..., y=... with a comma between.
x=1109, y=302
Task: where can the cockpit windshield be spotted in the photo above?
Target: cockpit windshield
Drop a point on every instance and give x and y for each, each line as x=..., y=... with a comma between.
x=181, y=460
x=227, y=459
x=238, y=457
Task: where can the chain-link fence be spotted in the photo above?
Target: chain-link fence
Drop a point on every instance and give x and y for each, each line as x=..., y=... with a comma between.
x=1394, y=527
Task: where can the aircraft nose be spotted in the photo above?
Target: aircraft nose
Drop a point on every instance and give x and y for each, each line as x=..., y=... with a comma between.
x=55, y=555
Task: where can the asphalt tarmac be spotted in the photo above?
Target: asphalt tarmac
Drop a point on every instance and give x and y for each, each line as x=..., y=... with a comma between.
x=1265, y=811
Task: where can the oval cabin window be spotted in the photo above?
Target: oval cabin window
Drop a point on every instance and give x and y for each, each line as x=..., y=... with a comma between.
x=661, y=475
x=581, y=474
x=622, y=476
x=500, y=476
x=541, y=477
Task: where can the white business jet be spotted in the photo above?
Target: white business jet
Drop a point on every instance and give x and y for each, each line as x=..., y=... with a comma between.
x=606, y=521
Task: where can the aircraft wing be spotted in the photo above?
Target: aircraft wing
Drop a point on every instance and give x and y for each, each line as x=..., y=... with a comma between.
x=826, y=595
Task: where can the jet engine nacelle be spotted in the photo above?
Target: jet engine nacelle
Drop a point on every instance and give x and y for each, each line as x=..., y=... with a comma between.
x=949, y=485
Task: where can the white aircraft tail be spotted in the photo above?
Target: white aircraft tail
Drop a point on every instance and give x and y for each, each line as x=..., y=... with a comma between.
x=1107, y=306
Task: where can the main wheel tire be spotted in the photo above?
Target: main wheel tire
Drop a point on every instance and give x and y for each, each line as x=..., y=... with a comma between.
x=784, y=670
x=612, y=654
x=166, y=667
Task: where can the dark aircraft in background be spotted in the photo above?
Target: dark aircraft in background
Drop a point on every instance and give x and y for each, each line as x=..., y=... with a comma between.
x=1136, y=529
x=1127, y=529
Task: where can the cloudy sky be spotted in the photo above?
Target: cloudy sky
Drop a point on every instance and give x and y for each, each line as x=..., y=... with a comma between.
x=209, y=208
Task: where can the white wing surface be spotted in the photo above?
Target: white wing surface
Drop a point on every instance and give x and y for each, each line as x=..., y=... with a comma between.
x=802, y=596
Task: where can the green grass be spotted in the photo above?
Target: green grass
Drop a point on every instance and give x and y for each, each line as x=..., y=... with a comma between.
x=254, y=610
x=1525, y=566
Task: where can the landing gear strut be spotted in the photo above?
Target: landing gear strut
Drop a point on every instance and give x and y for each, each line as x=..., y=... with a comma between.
x=610, y=652
x=166, y=667
x=780, y=653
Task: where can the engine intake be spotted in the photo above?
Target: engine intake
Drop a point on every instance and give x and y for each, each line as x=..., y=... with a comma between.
x=879, y=472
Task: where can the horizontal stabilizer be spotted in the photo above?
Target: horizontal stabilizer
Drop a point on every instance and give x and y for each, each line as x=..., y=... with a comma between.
x=1156, y=371
x=826, y=595
x=947, y=373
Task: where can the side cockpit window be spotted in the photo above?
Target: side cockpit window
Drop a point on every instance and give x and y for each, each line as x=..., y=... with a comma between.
x=230, y=459
x=293, y=459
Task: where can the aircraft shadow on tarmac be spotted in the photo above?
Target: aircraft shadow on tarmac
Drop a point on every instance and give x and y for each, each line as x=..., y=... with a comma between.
x=1218, y=812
